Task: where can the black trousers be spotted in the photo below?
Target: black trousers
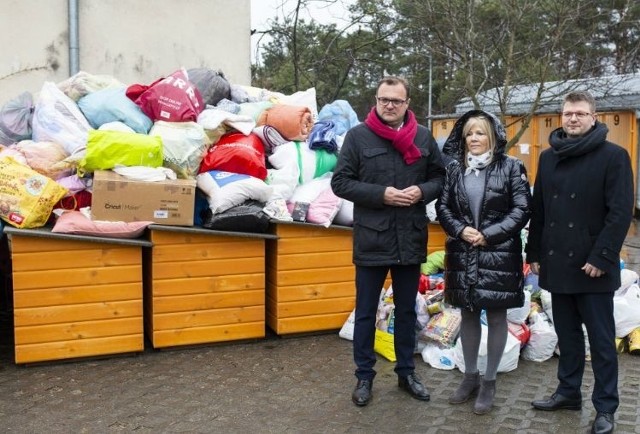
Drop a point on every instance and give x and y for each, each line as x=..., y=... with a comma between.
x=369, y=282
x=596, y=312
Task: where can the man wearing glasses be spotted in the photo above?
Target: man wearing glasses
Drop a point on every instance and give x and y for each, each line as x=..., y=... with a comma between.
x=390, y=168
x=582, y=209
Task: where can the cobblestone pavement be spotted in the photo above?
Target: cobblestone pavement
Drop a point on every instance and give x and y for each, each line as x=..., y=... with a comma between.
x=281, y=385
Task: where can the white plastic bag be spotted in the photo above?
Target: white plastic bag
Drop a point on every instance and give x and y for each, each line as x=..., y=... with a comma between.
x=184, y=145
x=58, y=119
x=545, y=300
x=626, y=310
x=438, y=357
x=543, y=340
x=510, y=356
x=346, y=332
x=519, y=315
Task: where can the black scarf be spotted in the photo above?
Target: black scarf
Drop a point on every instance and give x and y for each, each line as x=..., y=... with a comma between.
x=564, y=146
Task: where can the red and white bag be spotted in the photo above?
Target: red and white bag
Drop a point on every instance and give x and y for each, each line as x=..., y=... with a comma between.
x=171, y=99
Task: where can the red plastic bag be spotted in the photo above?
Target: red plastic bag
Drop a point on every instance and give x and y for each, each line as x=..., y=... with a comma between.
x=171, y=99
x=237, y=153
x=520, y=331
x=423, y=284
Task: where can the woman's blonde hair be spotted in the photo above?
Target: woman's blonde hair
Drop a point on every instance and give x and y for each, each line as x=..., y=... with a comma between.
x=485, y=125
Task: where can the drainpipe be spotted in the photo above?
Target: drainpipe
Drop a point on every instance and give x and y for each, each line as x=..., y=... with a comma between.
x=74, y=50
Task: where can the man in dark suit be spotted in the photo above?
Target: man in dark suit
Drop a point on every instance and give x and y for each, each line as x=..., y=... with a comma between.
x=582, y=209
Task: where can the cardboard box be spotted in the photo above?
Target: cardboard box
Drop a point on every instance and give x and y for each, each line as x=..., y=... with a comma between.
x=117, y=198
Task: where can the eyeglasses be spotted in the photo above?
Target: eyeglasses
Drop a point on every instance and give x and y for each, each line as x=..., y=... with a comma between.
x=579, y=115
x=393, y=102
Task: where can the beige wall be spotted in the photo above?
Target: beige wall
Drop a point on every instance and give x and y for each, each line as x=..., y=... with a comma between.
x=135, y=41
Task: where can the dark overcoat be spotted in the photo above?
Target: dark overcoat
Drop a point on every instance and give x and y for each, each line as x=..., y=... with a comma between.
x=491, y=276
x=582, y=209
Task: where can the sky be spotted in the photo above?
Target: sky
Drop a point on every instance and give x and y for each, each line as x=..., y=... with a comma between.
x=264, y=10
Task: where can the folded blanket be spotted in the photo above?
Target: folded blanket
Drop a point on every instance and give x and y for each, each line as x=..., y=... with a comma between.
x=212, y=118
x=270, y=137
x=292, y=122
x=323, y=136
x=341, y=114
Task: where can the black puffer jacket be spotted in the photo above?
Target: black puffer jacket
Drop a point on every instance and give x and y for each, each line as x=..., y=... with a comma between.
x=488, y=276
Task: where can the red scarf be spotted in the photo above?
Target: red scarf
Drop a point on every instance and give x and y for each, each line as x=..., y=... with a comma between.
x=401, y=139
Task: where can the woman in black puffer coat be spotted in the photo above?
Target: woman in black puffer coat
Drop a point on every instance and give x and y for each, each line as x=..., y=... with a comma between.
x=483, y=207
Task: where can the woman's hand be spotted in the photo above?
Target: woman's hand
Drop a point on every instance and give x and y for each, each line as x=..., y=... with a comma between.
x=470, y=235
x=473, y=237
x=479, y=240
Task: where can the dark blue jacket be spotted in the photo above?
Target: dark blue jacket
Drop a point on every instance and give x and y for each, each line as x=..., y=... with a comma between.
x=368, y=164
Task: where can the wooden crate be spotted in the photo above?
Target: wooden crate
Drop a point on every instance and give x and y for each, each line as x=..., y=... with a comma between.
x=311, y=277
x=75, y=296
x=437, y=237
x=204, y=286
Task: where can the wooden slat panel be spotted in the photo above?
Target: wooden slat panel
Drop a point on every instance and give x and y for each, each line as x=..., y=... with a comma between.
x=314, y=307
x=204, y=318
x=97, y=257
x=78, y=348
x=175, y=270
x=207, y=301
x=212, y=251
x=78, y=330
x=314, y=291
x=304, y=277
x=297, y=231
x=160, y=238
x=77, y=295
x=201, y=285
x=22, y=244
x=318, y=244
x=437, y=238
x=202, y=335
x=312, y=260
x=76, y=277
x=74, y=313
x=308, y=324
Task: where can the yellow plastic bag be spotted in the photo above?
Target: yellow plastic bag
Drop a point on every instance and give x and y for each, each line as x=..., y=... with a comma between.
x=107, y=149
x=26, y=197
x=383, y=345
x=634, y=342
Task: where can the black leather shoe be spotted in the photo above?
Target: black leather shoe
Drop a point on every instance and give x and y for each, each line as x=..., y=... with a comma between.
x=414, y=387
x=557, y=402
x=362, y=393
x=603, y=424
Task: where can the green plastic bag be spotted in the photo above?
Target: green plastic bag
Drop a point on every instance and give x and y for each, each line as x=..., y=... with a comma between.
x=106, y=149
x=434, y=264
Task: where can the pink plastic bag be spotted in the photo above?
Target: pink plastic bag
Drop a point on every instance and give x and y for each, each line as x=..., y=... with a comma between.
x=172, y=99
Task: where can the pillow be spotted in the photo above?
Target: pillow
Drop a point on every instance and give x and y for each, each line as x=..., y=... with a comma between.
x=74, y=222
x=344, y=217
x=225, y=189
x=305, y=194
x=324, y=208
